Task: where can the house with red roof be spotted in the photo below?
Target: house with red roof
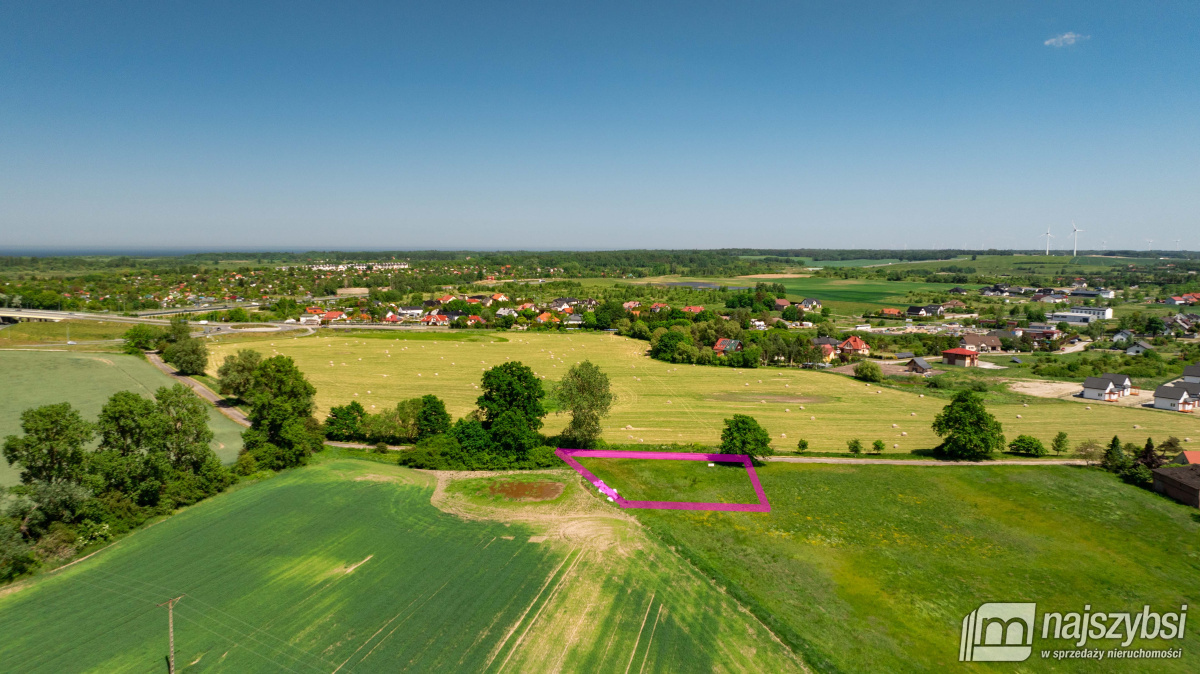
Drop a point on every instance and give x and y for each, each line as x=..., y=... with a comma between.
x=499, y=297
x=963, y=357
x=659, y=306
x=631, y=304
x=1188, y=457
x=446, y=298
x=693, y=309
x=546, y=317
x=891, y=312
x=435, y=319
x=333, y=316
x=854, y=346
x=316, y=311
x=473, y=319
x=725, y=345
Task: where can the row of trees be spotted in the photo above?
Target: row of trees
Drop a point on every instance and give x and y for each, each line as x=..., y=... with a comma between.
x=188, y=354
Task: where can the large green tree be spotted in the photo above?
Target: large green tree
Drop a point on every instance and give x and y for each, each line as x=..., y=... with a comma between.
x=189, y=355
x=184, y=437
x=432, y=419
x=52, y=449
x=512, y=387
x=969, y=432
x=743, y=435
x=282, y=430
x=586, y=394
x=344, y=422
x=237, y=372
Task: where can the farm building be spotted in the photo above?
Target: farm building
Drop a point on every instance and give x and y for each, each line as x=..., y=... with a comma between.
x=918, y=366
x=781, y=304
x=725, y=345
x=854, y=346
x=1177, y=397
x=980, y=343
x=1191, y=374
x=1181, y=483
x=961, y=357
x=891, y=312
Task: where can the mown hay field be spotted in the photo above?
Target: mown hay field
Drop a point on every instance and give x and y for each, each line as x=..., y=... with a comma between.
x=660, y=402
x=873, y=567
x=347, y=566
x=86, y=380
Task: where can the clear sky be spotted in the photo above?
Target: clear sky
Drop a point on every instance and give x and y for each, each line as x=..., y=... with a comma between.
x=350, y=125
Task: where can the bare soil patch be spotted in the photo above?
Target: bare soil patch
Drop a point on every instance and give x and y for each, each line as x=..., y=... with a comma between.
x=514, y=490
x=888, y=368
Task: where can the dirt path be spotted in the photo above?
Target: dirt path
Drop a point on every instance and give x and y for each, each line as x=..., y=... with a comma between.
x=201, y=390
x=923, y=462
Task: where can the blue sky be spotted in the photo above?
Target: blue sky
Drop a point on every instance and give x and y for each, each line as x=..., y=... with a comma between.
x=297, y=125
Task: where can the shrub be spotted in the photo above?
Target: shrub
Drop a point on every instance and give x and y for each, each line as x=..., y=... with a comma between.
x=1027, y=444
x=802, y=446
x=868, y=371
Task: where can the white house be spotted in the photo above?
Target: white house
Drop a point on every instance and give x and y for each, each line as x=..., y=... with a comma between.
x=1123, y=336
x=1099, y=388
x=1177, y=397
x=1122, y=384
x=1191, y=374
x=1138, y=349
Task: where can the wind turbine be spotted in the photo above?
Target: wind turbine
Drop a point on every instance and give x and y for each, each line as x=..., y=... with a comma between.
x=1075, y=232
x=1149, y=243
x=1177, y=246
x=1048, y=236
x=1104, y=244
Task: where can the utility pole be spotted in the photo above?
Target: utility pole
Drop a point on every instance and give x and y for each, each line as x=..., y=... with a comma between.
x=170, y=604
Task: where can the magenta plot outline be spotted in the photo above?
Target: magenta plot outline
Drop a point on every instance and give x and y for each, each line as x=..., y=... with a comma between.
x=568, y=455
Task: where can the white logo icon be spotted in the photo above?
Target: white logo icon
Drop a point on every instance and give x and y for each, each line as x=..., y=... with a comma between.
x=998, y=633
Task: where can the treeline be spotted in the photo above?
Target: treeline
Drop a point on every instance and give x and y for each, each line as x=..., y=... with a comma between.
x=502, y=433
x=153, y=456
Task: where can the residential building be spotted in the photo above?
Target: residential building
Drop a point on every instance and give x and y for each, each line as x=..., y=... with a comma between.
x=409, y=312
x=891, y=312
x=1139, y=348
x=1123, y=336
x=1177, y=397
x=926, y=311
x=953, y=304
x=854, y=346
x=1098, y=312
x=1191, y=374
x=956, y=290
x=693, y=309
x=961, y=357
x=506, y=311
x=660, y=306
x=1100, y=388
x=632, y=304
x=546, y=317
x=1188, y=457
x=1181, y=483
x=781, y=304
x=980, y=343
x=725, y=346
x=810, y=304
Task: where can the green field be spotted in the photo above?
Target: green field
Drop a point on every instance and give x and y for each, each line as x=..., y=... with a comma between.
x=872, y=568
x=33, y=378
x=659, y=402
x=346, y=566
x=33, y=333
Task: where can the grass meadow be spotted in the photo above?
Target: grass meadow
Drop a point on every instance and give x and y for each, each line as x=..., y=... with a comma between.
x=872, y=568
x=659, y=402
x=31, y=333
x=86, y=380
x=347, y=566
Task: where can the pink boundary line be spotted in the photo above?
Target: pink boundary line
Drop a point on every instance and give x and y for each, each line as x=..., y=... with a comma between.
x=762, y=506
